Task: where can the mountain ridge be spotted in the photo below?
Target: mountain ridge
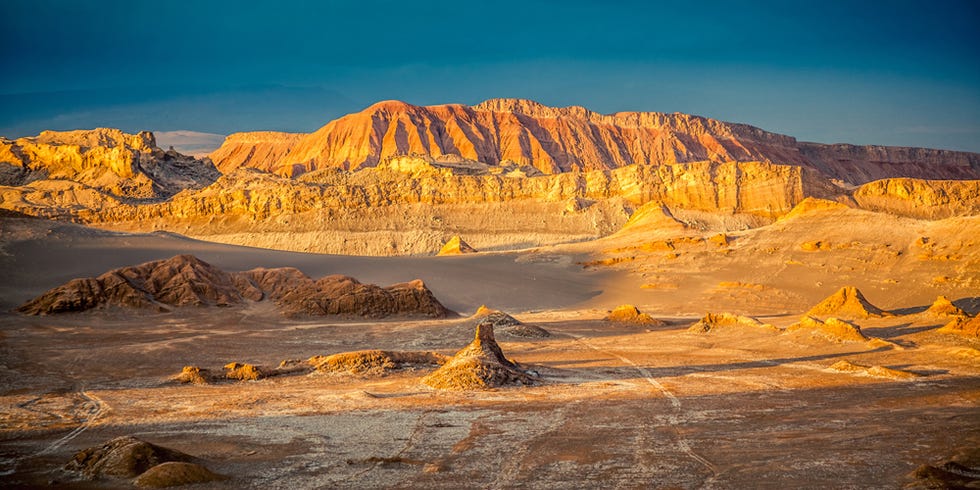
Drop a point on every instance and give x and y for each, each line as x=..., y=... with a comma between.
x=573, y=138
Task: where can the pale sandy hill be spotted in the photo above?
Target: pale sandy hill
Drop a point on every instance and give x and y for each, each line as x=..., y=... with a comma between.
x=830, y=328
x=456, y=246
x=652, y=217
x=480, y=365
x=847, y=302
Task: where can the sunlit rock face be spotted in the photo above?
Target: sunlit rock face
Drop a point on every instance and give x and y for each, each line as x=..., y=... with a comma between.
x=109, y=160
x=555, y=140
x=256, y=149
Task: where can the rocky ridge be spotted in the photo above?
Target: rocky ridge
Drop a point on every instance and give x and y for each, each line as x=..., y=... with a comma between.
x=185, y=280
x=555, y=140
x=116, y=163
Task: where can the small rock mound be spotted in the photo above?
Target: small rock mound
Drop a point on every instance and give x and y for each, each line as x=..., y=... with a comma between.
x=873, y=371
x=831, y=328
x=632, y=315
x=944, y=307
x=963, y=326
x=174, y=474
x=375, y=362
x=945, y=475
x=651, y=217
x=713, y=321
x=509, y=324
x=847, y=302
x=195, y=375
x=480, y=365
x=456, y=246
x=243, y=372
x=122, y=457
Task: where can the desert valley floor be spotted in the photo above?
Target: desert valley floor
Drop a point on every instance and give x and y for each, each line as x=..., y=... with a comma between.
x=624, y=405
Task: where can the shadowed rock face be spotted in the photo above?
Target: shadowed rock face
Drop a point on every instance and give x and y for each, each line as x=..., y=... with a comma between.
x=480, y=365
x=555, y=140
x=185, y=280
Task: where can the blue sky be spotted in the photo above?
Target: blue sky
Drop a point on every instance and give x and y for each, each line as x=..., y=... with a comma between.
x=895, y=72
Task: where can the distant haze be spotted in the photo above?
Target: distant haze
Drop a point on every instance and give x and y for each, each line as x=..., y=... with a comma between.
x=189, y=142
x=897, y=73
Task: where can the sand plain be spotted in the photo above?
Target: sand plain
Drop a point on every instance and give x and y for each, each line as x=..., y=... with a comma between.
x=617, y=405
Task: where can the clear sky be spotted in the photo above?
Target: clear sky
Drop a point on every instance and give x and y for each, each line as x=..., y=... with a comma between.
x=867, y=72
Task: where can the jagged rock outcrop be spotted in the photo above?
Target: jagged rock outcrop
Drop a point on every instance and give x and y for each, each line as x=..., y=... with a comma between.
x=963, y=326
x=943, y=307
x=555, y=140
x=480, y=365
x=116, y=163
x=925, y=199
x=456, y=246
x=346, y=296
x=847, y=302
x=178, y=281
x=185, y=280
x=257, y=149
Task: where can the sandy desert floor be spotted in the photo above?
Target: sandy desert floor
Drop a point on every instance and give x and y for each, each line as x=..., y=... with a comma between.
x=617, y=405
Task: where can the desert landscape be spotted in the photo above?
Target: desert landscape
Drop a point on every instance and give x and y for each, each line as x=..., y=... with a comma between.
x=491, y=296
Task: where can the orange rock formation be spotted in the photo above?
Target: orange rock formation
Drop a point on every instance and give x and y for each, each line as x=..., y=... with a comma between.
x=555, y=140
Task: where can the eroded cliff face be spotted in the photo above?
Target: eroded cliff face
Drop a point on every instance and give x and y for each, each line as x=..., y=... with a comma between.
x=257, y=149
x=413, y=205
x=116, y=163
x=928, y=199
x=557, y=140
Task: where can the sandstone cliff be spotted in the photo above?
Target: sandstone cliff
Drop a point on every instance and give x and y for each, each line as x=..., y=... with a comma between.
x=929, y=199
x=555, y=140
x=114, y=162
